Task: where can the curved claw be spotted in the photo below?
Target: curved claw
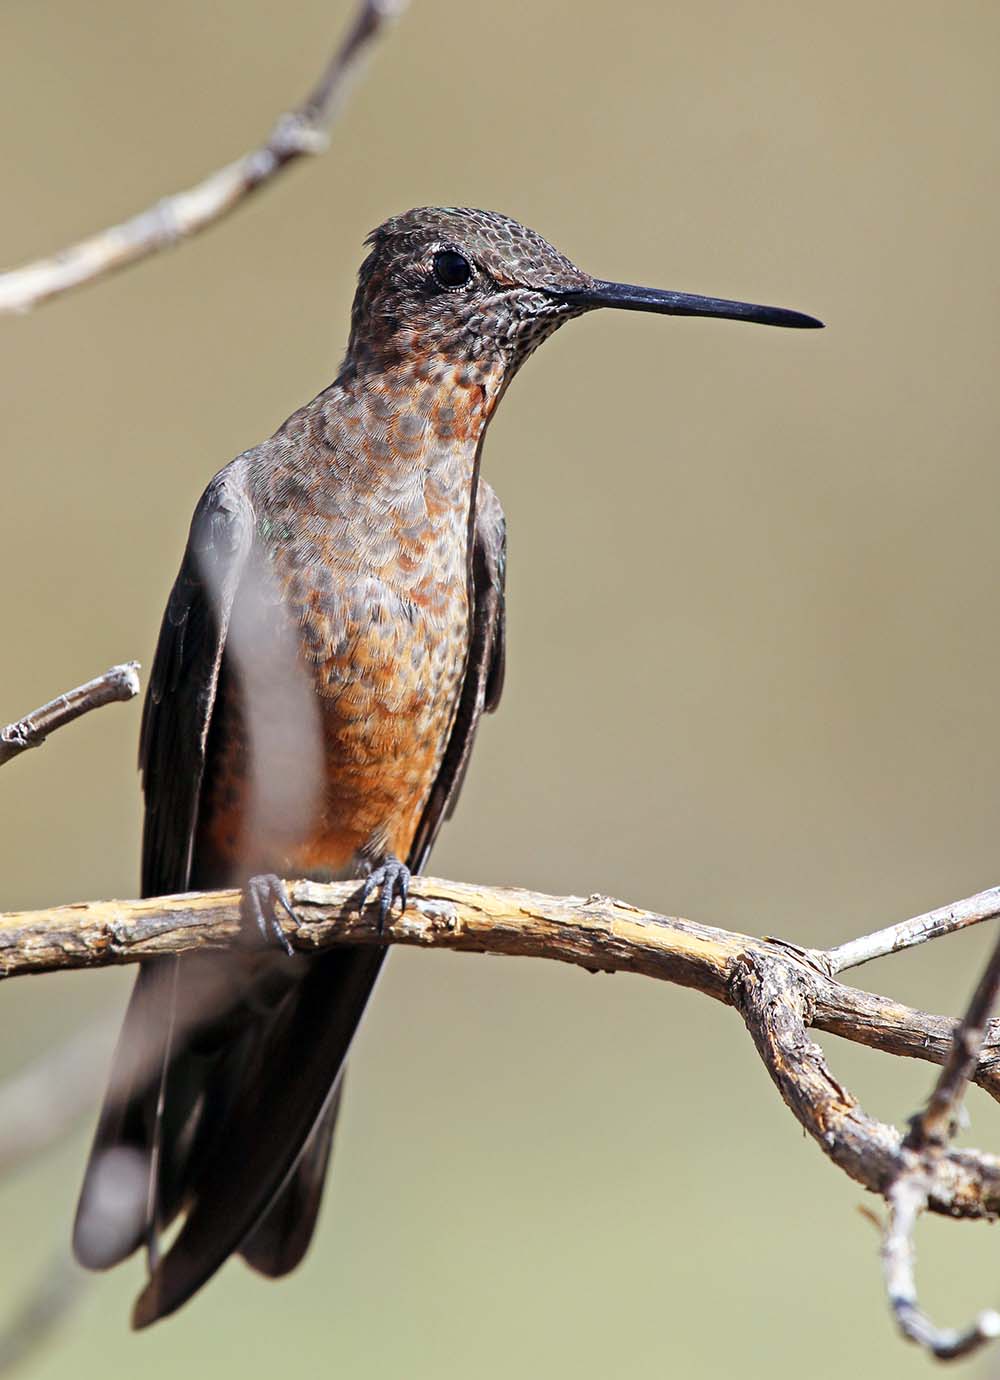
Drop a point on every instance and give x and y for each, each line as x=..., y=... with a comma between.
x=390, y=879
x=262, y=896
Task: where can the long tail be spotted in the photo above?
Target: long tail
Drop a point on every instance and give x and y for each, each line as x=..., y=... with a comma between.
x=281, y=1237
x=228, y=1119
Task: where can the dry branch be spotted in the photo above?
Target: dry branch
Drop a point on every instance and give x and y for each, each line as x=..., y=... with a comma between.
x=935, y=1126
x=912, y=1186
x=297, y=133
x=120, y=683
x=973, y=910
x=907, y=1198
x=595, y=933
x=779, y=989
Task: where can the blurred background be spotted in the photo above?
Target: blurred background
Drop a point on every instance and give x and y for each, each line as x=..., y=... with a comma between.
x=753, y=591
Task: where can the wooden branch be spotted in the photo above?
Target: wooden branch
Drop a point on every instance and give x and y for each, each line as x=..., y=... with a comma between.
x=907, y=1198
x=596, y=933
x=985, y=905
x=936, y=1125
x=120, y=683
x=910, y=1191
x=778, y=988
x=297, y=133
x=776, y=1003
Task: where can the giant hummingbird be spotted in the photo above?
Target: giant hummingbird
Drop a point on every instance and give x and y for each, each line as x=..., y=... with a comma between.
x=332, y=639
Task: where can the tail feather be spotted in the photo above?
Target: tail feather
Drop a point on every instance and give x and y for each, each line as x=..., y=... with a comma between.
x=274, y=1100
x=282, y=1236
x=185, y=1027
x=111, y=1214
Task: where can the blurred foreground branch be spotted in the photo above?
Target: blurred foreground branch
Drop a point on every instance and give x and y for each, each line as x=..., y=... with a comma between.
x=43, y=1101
x=42, y=1311
x=778, y=988
x=297, y=133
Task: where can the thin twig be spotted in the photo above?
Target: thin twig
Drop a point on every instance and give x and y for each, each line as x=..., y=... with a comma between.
x=909, y=1192
x=296, y=133
x=938, y=1122
x=907, y=1199
x=120, y=683
x=985, y=905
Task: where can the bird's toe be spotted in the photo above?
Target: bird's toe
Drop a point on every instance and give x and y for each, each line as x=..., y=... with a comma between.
x=262, y=897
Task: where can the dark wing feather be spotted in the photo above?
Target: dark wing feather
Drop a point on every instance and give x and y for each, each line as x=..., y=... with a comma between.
x=484, y=670
x=251, y=1185
x=176, y=718
x=258, y=1191
x=182, y=687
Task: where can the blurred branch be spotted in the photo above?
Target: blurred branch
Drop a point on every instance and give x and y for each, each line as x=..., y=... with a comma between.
x=778, y=988
x=297, y=133
x=52, y=1296
x=42, y=1102
x=120, y=683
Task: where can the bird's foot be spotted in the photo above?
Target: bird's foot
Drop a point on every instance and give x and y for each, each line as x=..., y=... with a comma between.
x=391, y=879
x=262, y=898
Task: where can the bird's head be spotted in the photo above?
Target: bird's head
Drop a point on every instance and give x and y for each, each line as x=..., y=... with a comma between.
x=474, y=287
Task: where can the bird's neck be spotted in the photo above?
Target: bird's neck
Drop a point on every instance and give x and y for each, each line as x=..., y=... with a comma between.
x=392, y=450
x=446, y=399
x=418, y=419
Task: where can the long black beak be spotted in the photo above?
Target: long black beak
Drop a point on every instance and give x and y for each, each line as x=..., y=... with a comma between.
x=624, y=295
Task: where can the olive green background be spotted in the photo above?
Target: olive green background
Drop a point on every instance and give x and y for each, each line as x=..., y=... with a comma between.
x=753, y=649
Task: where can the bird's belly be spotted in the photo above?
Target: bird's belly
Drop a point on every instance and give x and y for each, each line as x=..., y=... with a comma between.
x=386, y=710
x=386, y=685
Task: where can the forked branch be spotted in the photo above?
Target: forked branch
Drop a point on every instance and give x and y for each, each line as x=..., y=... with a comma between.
x=779, y=989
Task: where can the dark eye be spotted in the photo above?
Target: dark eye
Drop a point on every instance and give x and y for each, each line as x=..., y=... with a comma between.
x=451, y=268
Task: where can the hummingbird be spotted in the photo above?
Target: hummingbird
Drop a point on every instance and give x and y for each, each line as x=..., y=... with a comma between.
x=333, y=637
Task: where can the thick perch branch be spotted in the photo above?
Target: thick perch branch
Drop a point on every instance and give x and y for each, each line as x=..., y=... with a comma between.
x=297, y=133
x=778, y=988
x=596, y=933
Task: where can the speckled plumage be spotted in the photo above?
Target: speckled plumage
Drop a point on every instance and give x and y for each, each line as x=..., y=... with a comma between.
x=362, y=506
x=334, y=634
x=360, y=541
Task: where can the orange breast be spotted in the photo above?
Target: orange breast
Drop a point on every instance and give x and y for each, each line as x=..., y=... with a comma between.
x=387, y=685
x=363, y=502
